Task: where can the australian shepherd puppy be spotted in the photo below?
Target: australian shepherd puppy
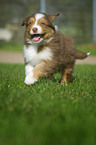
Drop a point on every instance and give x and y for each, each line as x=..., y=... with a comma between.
x=46, y=50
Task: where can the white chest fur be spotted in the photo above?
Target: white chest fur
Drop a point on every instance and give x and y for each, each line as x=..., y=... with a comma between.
x=34, y=58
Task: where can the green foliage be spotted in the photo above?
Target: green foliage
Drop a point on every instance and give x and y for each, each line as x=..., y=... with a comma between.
x=47, y=113
x=70, y=31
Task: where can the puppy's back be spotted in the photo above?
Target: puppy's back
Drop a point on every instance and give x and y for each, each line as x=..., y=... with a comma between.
x=63, y=48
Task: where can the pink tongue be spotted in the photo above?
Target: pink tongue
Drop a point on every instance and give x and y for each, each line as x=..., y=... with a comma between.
x=36, y=38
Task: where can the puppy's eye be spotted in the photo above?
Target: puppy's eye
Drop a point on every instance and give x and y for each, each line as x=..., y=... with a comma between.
x=42, y=23
x=30, y=23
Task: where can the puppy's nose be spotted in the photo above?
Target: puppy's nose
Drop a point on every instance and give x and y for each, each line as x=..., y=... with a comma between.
x=34, y=29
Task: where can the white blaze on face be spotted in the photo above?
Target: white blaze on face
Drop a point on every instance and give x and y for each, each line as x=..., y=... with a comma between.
x=39, y=28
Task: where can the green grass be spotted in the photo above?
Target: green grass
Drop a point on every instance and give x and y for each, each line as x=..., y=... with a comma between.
x=87, y=48
x=9, y=46
x=47, y=113
x=19, y=47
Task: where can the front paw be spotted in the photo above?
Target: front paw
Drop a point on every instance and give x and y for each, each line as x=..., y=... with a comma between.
x=29, y=79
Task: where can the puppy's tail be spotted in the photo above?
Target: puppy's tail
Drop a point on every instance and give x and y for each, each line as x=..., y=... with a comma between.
x=81, y=55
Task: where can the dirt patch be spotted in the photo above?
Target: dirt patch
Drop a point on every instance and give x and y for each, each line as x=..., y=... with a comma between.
x=11, y=57
x=88, y=60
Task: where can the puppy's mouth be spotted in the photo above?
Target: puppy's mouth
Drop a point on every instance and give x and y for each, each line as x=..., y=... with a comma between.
x=37, y=37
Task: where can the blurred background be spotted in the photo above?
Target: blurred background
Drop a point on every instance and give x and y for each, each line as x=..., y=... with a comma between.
x=77, y=18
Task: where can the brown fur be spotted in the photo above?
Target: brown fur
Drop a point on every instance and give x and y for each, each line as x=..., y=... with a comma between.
x=64, y=58
x=63, y=49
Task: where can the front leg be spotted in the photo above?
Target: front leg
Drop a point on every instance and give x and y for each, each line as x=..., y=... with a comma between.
x=29, y=79
x=29, y=74
x=33, y=74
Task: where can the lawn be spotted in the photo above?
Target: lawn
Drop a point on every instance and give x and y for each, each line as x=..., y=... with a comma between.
x=9, y=46
x=47, y=113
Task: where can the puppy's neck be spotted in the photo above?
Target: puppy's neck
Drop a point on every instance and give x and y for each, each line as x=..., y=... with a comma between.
x=29, y=42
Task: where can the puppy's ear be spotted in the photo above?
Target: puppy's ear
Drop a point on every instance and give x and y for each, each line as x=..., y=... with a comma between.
x=52, y=17
x=24, y=22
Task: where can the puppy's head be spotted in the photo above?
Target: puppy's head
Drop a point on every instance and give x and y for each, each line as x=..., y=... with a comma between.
x=39, y=26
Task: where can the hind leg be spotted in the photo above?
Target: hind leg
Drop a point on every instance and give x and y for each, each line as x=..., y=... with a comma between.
x=66, y=76
x=50, y=77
